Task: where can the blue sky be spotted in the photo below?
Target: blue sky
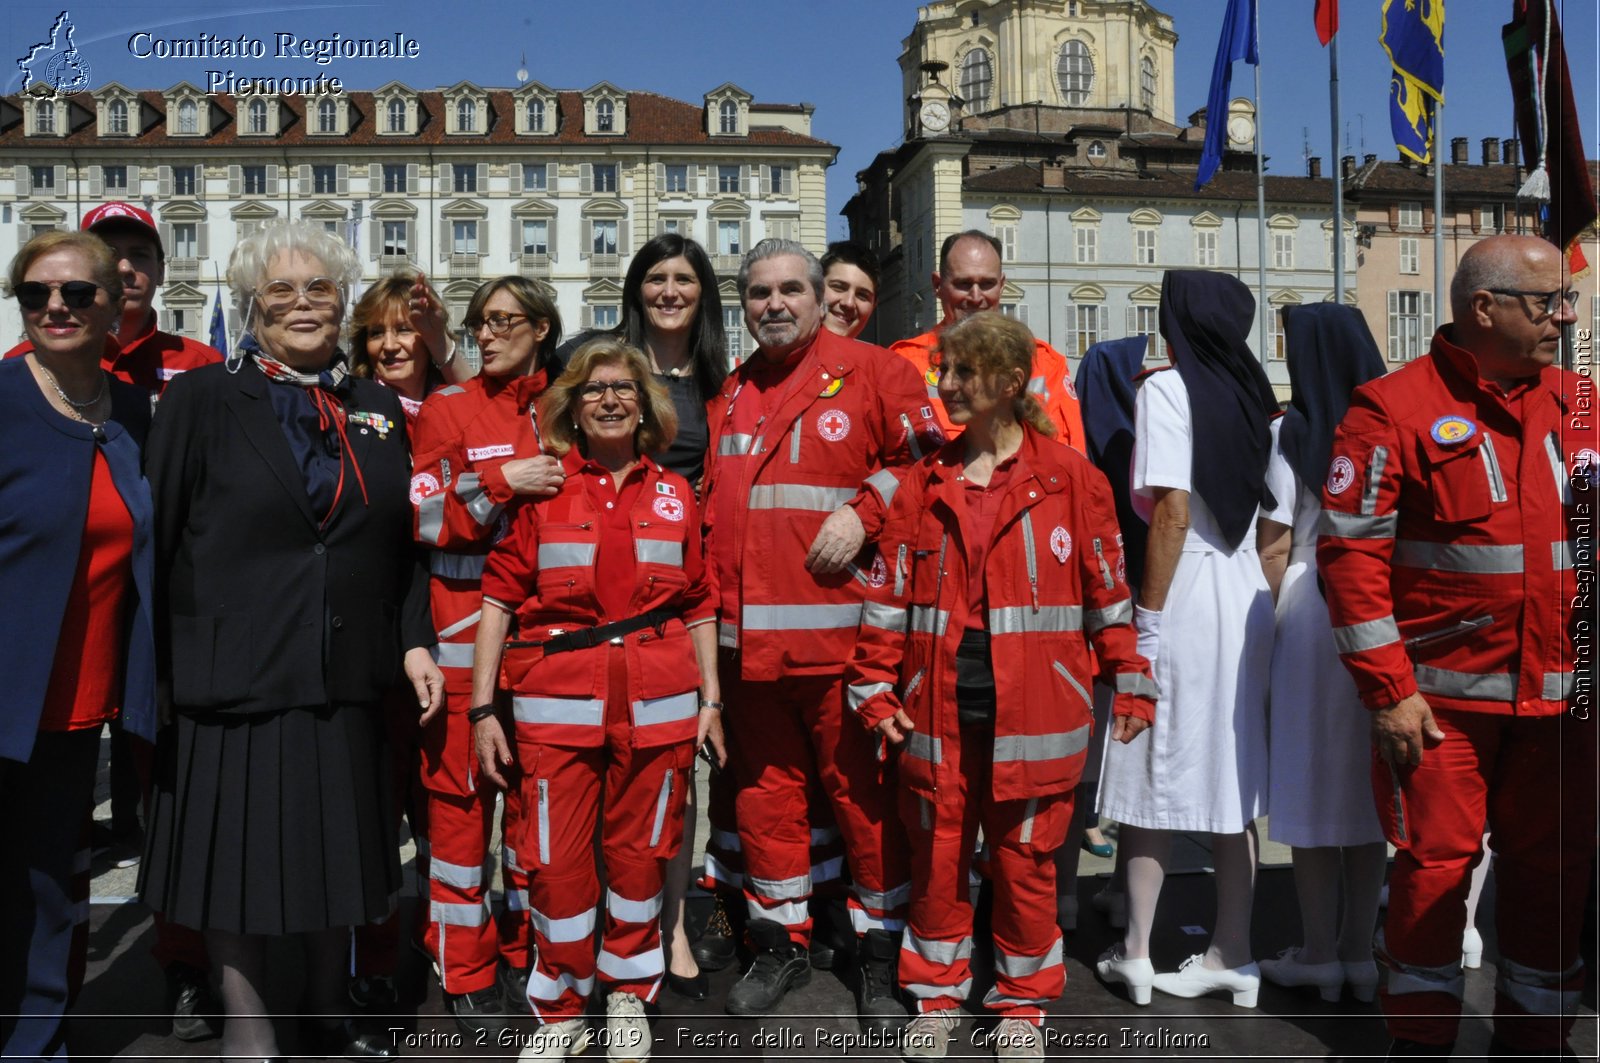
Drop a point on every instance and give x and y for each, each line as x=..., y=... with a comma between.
x=839, y=55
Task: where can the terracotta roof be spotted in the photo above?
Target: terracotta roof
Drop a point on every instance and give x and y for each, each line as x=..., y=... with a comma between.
x=1232, y=185
x=1397, y=179
x=651, y=119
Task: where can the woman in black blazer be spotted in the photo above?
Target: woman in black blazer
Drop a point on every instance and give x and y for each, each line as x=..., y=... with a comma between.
x=290, y=598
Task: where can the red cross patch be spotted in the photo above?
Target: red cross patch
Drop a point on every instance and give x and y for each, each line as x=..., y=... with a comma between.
x=834, y=425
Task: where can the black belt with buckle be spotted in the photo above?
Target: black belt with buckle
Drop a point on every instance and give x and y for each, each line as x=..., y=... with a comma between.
x=586, y=637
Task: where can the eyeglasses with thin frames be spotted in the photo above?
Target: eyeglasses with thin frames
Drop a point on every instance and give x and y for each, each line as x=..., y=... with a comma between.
x=1552, y=300
x=595, y=390
x=318, y=292
x=498, y=324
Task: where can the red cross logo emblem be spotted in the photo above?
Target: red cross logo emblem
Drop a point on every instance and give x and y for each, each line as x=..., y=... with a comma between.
x=833, y=425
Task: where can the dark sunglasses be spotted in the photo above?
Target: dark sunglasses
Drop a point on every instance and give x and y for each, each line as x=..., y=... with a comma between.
x=35, y=295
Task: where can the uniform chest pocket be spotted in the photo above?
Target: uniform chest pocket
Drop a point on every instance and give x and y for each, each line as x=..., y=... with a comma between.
x=1464, y=480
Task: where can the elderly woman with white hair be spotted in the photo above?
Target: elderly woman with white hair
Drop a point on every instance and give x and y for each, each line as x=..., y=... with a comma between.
x=289, y=600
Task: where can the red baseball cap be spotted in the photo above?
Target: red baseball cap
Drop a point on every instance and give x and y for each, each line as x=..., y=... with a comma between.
x=121, y=214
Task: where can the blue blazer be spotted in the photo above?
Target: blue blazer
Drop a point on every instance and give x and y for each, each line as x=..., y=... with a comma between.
x=46, y=465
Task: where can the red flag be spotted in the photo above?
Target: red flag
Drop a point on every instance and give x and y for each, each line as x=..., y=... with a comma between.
x=1547, y=117
x=1577, y=261
x=1327, y=17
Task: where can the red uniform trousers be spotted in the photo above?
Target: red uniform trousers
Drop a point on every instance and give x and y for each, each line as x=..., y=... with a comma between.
x=784, y=738
x=1020, y=838
x=638, y=796
x=724, y=866
x=376, y=946
x=1533, y=780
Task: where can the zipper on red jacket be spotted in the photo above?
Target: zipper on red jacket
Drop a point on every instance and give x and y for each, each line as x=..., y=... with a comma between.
x=938, y=593
x=1032, y=557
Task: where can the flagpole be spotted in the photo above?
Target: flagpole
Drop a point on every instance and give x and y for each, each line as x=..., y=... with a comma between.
x=1334, y=167
x=1438, y=214
x=1261, y=201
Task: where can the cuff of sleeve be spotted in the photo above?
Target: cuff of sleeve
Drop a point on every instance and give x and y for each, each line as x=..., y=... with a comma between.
x=495, y=486
x=876, y=709
x=869, y=509
x=1387, y=691
x=1135, y=706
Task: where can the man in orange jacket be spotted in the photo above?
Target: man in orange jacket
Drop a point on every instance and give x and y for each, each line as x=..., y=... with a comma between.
x=1458, y=500
x=970, y=279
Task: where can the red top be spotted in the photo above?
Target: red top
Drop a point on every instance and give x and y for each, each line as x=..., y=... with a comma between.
x=147, y=361
x=983, y=503
x=614, y=503
x=86, y=678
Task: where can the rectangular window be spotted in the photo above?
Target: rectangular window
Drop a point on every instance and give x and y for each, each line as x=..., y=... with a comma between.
x=185, y=240
x=733, y=329
x=324, y=180
x=1410, y=255
x=394, y=177
x=394, y=239
x=1275, y=348
x=606, y=315
x=1144, y=319
x=782, y=180
x=1411, y=215
x=255, y=180
x=183, y=180
x=1144, y=247
x=1490, y=220
x=671, y=225
x=535, y=177
x=728, y=238
x=1087, y=241
x=1283, y=250
x=1007, y=235
x=1205, y=247
x=677, y=177
x=1410, y=324
x=464, y=237
x=179, y=321
x=1088, y=325
x=536, y=236
x=44, y=178
x=605, y=177
x=116, y=178
x=464, y=177
x=783, y=228
x=603, y=236
x=728, y=179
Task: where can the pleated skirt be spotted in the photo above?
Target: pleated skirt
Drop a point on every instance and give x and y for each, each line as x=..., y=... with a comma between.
x=273, y=823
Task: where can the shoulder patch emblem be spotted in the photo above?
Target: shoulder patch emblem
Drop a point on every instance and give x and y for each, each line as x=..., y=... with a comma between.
x=832, y=389
x=1061, y=543
x=668, y=508
x=1341, y=474
x=1452, y=429
x=878, y=575
x=833, y=425
x=931, y=377
x=423, y=484
x=664, y=488
x=497, y=450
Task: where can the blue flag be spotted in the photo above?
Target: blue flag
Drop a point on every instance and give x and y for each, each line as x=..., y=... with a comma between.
x=219, y=327
x=1238, y=42
x=1413, y=35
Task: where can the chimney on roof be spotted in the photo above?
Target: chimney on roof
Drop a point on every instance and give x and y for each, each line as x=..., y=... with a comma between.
x=1368, y=160
x=1491, y=151
x=1314, y=166
x=1511, y=152
x=1458, y=151
x=1347, y=166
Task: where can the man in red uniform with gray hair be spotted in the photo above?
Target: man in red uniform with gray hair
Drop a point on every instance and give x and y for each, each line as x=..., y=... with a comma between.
x=807, y=442
x=1454, y=497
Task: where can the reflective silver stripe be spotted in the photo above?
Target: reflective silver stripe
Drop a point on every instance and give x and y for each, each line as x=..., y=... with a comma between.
x=1034, y=748
x=508, y=859
x=516, y=900
x=959, y=991
x=856, y=694
x=794, y=444
x=883, y=617
x=644, y=967
x=886, y=483
x=1120, y=613
x=825, y=835
x=727, y=635
x=1561, y=556
x=789, y=913
x=927, y=620
x=451, y=389
x=452, y=654
x=912, y=442
x=733, y=445
x=1354, y=526
x=1483, y=686
x=662, y=801
x=944, y=953
x=862, y=921
x=1405, y=979
x=1557, y=686
x=883, y=900
x=1028, y=553
x=1037, y=386
x=1491, y=469
x=566, y=555
x=829, y=870
x=1072, y=681
x=1369, y=493
x=658, y=552
x=430, y=518
x=1486, y=560
x=797, y=888
x=579, y=712
x=542, y=987
x=461, y=625
x=1368, y=635
x=717, y=871
x=925, y=747
x=1029, y=811
x=578, y=927
x=631, y=911
x=457, y=914
x=461, y=876
x=1539, y=992
x=1019, y=619
x=726, y=839
x=544, y=822
x=469, y=488
x=800, y=617
x=674, y=708
x=1558, y=467
x=1022, y=966
x=456, y=566
x=807, y=497
x=1138, y=684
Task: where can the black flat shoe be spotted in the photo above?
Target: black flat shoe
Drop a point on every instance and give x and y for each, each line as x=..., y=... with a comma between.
x=352, y=1039
x=695, y=987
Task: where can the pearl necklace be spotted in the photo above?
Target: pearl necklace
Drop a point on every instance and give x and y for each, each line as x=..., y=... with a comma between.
x=74, y=407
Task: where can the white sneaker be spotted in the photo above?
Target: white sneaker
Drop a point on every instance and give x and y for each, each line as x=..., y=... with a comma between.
x=927, y=1036
x=1018, y=1039
x=628, y=1037
x=558, y=1040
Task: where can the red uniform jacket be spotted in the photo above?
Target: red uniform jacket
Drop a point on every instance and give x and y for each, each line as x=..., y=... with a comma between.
x=544, y=570
x=1051, y=384
x=1445, y=545
x=1054, y=590
x=837, y=429
x=149, y=361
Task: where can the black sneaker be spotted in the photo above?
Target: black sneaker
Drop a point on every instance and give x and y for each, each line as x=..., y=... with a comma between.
x=478, y=1014
x=780, y=965
x=196, y=1015
x=877, y=985
x=513, y=983
x=374, y=993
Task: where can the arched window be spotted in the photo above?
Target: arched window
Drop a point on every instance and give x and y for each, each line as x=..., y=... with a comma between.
x=605, y=116
x=44, y=116
x=466, y=116
x=118, y=115
x=258, y=116
x=728, y=117
x=397, y=116
x=1075, y=73
x=535, y=115
x=188, y=117
x=1147, y=83
x=976, y=78
x=327, y=117
x=1097, y=149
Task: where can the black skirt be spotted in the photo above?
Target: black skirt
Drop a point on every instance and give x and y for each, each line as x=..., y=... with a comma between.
x=273, y=823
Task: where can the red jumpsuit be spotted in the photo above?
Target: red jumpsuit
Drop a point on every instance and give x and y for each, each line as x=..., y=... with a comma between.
x=464, y=434
x=789, y=445
x=609, y=726
x=1452, y=515
x=1051, y=384
x=1053, y=601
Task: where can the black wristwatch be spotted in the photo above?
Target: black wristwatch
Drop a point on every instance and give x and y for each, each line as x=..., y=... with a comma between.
x=480, y=712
